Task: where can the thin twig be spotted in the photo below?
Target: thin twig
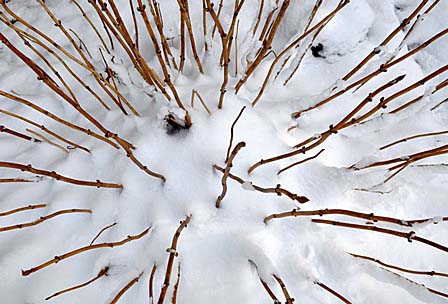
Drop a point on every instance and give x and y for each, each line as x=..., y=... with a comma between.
x=439, y=293
x=300, y=162
x=333, y=292
x=125, y=288
x=227, y=171
x=367, y=216
x=429, y=273
x=101, y=231
x=278, y=190
x=43, y=128
x=288, y=298
x=151, y=283
x=58, y=177
x=413, y=137
x=69, y=254
x=409, y=236
x=345, y=122
x=195, y=92
x=43, y=138
x=43, y=219
x=15, y=180
x=381, y=69
x=176, y=286
x=173, y=254
x=4, y=129
x=29, y=207
x=103, y=272
x=231, y=133
x=397, y=30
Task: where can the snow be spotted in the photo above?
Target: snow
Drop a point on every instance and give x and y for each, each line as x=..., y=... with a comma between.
x=224, y=252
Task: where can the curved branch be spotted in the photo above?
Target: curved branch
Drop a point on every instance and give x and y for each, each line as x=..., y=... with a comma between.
x=67, y=255
x=58, y=177
x=43, y=219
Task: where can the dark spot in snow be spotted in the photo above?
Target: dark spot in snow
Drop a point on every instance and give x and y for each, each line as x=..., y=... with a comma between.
x=316, y=50
x=398, y=8
x=173, y=124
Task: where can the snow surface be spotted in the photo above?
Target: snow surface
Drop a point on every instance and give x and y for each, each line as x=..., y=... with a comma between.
x=219, y=248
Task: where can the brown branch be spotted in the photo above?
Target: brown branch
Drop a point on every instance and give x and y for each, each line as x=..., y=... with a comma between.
x=43, y=128
x=101, y=231
x=300, y=162
x=117, y=28
x=176, y=286
x=58, y=119
x=439, y=104
x=92, y=25
x=333, y=292
x=367, y=216
x=29, y=207
x=3, y=129
x=43, y=219
x=406, y=162
x=69, y=254
x=134, y=19
x=151, y=283
x=15, y=180
x=227, y=171
x=182, y=44
x=81, y=43
x=196, y=93
x=439, y=293
x=42, y=75
x=277, y=190
x=231, y=133
x=173, y=254
x=397, y=30
x=267, y=42
x=413, y=137
x=267, y=23
x=236, y=48
x=224, y=54
x=101, y=273
x=316, y=34
x=429, y=273
x=99, y=79
x=27, y=38
x=260, y=12
x=167, y=80
x=43, y=138
x=404, y=159
x=403, y=40
x=382, y=69
x=215, y=26
x=409, y=236
x=265, y=285
x=332, y=129
x=438, y=87
x=58, y=177
x=155, y=12
x=204, y=24
x=124, y=289
x=183, y=6
x=322, y=22
x=288, y=298
x=111, y=75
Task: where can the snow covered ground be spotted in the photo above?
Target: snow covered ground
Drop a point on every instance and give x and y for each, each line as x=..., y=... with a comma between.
x=224, y=253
